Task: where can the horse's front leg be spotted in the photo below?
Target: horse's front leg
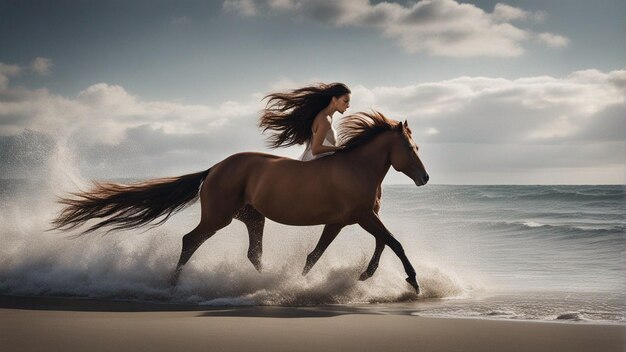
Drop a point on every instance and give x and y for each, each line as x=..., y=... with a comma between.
x=329, y=234
x=372, y=224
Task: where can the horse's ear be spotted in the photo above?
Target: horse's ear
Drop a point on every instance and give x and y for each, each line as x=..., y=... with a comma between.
x=402, y=126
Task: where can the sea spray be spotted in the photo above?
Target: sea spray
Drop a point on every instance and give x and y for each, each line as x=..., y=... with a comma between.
x=135, y=264
x=128, y=265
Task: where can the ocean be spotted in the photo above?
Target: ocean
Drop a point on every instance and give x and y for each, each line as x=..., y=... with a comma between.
x=548, y=253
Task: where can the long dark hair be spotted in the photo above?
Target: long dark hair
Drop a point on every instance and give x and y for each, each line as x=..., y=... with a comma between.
x=290, y=115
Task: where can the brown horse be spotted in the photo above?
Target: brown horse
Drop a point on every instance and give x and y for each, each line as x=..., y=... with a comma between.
x=336, y=190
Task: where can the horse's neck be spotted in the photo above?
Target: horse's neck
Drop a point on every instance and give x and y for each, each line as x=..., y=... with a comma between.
x=373, y=157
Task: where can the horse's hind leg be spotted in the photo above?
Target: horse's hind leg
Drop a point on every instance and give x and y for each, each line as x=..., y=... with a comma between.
x=380, y=245
x=191, y=242
x=328, y=236
x=254, y=222
x=213, y=219
x=373, y=265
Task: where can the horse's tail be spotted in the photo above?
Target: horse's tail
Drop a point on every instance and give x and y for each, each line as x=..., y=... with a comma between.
x=121, y=206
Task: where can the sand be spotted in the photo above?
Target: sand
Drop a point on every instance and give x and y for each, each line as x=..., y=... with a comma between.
x=52, y=324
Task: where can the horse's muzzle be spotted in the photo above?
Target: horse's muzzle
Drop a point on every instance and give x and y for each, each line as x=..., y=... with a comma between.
x=421, y=180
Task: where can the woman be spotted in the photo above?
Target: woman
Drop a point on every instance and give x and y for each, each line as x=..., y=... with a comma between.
x=305, y=115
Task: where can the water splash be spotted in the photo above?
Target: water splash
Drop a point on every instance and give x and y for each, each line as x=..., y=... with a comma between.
x=135, y=264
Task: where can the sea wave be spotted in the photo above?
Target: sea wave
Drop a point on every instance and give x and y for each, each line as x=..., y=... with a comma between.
x=542, y=306
x=556, y=193
x=564, y=231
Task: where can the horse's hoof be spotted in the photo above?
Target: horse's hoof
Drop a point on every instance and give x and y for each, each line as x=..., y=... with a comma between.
x=364, y=276
x=173, y=280
x=413, y=282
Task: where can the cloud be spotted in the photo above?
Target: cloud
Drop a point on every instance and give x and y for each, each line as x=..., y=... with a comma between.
x=570, y=129
x=241, y=7
x=503, y=12
x=553, y=40
x=437, y=27
x=492, y=128
x=528, y=110
x=7, y=71
x=41, y=66
x=113, y=133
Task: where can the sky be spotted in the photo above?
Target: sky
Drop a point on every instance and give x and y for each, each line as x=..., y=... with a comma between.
x=516, y=92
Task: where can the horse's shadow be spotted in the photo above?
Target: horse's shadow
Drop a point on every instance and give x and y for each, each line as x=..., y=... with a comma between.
x=285, y=312
x=73, y=304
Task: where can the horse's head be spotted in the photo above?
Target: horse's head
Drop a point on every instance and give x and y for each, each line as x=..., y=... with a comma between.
x=404, y=156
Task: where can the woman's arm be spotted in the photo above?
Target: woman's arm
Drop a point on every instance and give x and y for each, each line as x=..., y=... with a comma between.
x=319, y=134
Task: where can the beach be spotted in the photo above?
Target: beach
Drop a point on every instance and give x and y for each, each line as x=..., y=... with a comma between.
x=49, y=324
x=501, y=268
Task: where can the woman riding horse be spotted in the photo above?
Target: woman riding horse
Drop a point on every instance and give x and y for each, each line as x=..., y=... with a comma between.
x=342, y=189
x=304, y=116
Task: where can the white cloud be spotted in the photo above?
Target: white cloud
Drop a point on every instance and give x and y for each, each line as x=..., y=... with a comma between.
x=494, y=130
x=41, y=66
x=115, y=133
x=466, y=125
x=437, y=27
x=7, y=71
x=495, y=110
x=241, y=7
x=503, y=12
x=553, y=40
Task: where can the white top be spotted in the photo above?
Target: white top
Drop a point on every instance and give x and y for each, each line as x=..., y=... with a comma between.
x=330, y=140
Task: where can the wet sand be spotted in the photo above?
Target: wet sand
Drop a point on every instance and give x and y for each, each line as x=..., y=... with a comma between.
x=59, y=324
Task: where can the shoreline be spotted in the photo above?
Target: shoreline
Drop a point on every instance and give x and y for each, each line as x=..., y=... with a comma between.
x=103, y=305
x=67, y=324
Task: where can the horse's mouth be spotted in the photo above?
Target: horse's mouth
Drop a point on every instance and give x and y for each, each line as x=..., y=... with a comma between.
x=421, y=181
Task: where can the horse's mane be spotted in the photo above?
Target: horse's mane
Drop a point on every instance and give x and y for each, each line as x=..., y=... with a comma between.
x=361, y=127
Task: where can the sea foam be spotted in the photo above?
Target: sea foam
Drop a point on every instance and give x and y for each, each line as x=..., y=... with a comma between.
x=136, y=264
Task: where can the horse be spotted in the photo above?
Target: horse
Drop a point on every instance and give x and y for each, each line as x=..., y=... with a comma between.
x=336, y=190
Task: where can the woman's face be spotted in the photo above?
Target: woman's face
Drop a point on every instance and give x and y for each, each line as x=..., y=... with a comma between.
x=342, y=103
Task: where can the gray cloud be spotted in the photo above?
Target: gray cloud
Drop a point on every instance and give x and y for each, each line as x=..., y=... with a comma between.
x=437, y=27
x=41, y=65
x=606, y=125
x=7, y=71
